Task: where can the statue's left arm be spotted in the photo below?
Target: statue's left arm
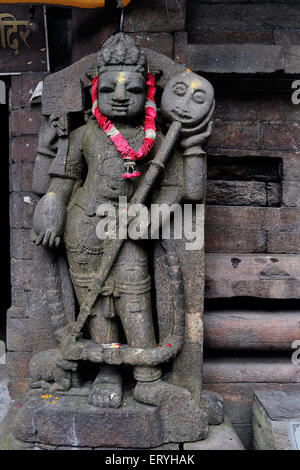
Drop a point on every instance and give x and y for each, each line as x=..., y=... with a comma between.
x=195, y=165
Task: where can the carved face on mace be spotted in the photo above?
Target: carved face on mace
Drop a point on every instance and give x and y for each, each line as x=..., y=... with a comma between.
x=187, y=98
x=121, y=93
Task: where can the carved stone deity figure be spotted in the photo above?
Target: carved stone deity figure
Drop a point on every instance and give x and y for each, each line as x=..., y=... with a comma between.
x=139, y=301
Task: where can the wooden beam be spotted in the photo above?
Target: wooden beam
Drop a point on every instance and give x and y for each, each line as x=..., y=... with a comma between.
x=250, y=370
x=246, y=330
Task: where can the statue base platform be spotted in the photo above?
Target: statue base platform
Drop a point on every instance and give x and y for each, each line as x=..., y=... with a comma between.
x=69, y=421
x=221, y=437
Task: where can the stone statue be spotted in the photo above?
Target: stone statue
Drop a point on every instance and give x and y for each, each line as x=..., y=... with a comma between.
x=89, y=157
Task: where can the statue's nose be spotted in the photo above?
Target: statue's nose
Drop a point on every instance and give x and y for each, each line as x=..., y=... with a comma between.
x=120, y=92
x=185, y=101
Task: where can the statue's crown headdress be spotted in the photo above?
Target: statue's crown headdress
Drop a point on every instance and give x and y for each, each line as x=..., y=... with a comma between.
x=120, y=50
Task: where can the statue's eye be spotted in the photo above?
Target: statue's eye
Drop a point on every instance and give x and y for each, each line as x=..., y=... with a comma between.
x=106, y=89
x=180, y=89
x=135, y=89
x=199, y=97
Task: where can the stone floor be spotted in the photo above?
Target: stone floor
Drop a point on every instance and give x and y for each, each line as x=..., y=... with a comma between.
x=4, y=396
x=221, y=437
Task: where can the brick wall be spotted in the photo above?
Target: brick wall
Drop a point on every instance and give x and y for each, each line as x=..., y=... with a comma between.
x=24, y=123
x=249, y=51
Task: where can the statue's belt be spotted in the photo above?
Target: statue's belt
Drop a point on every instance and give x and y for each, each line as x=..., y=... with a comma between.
x=90, y=203
x=112, y=288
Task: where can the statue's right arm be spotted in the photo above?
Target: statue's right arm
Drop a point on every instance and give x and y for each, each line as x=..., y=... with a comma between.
x=50, y=213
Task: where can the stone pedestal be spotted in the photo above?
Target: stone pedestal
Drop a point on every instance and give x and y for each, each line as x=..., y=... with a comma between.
x=69, y=421
x=221, y=437
x=66, y=421
x=276, y=420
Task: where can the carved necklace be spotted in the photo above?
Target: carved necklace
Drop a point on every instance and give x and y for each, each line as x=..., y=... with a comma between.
x=129, y=155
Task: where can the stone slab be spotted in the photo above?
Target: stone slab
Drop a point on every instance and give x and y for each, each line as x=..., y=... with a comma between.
x=276, y=420
x=280, y=404
x=235, y=58
x=155, y=16
x=221, y=437
x=244, y=15
x=252, y=275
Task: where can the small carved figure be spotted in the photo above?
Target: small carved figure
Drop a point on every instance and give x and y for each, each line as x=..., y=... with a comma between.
x=49, y=371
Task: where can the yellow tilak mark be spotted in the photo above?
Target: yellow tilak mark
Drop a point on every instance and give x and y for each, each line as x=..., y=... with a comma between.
x=52, y=193
x=195, y=84
x=121, y=78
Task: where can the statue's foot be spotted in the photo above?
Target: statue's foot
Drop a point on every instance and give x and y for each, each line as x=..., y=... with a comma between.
x=40, y=384
x=153, y=393
x=107, y=389
x=62, y=386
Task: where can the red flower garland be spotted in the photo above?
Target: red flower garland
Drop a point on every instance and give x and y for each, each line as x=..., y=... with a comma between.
x=116, y=137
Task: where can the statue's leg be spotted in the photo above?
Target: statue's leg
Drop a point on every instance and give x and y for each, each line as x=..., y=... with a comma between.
x=85, y=251
x=106, y=390
x=135, y=311
x=107, y=387
x=133, y=305
x=136, y=316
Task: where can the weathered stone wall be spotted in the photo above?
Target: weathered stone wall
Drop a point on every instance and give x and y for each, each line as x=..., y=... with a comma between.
x=24, y=123
x=252, y=217
x=249, y=51
x=243, y=36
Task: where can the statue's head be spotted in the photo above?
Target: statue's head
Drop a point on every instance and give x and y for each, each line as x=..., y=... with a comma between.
x=122, y=71
x=187, y=98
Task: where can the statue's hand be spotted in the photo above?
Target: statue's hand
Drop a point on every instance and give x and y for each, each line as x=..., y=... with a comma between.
x=196, y=139
x=48, y=220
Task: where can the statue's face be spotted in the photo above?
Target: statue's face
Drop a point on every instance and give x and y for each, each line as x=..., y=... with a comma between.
x=121, y=94
x=187, y=98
